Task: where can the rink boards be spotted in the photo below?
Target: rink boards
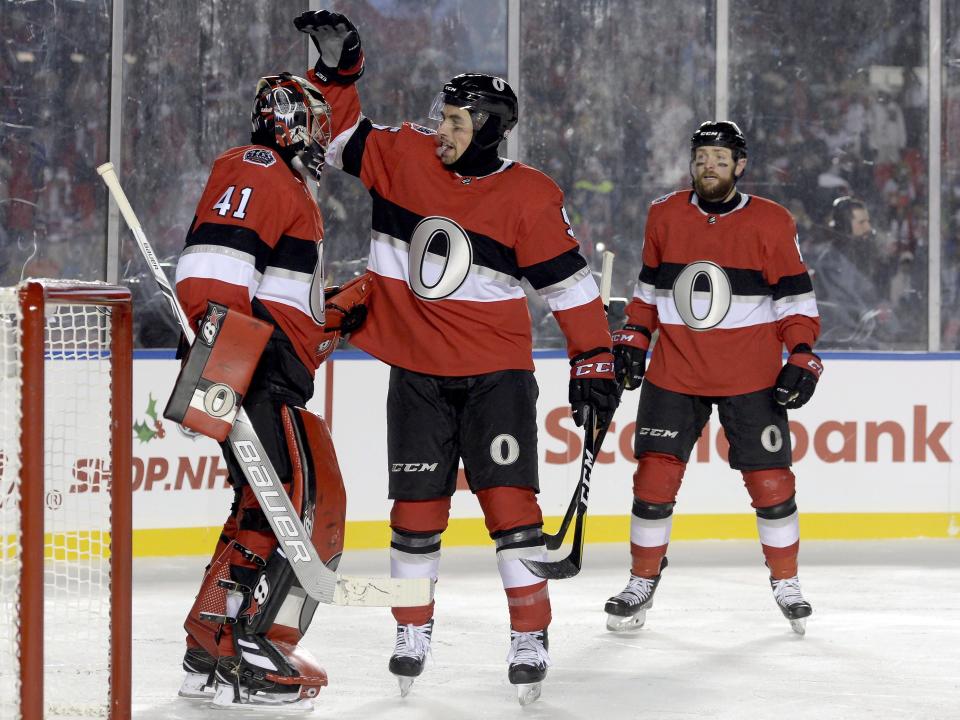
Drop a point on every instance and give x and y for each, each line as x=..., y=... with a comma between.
x=875, y=457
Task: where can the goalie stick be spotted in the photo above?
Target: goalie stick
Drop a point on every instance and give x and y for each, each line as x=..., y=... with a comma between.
x=317, y=580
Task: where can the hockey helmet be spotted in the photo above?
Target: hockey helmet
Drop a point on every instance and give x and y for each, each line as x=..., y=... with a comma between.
x=721, y=133
x=489, y=99
x=290, y=112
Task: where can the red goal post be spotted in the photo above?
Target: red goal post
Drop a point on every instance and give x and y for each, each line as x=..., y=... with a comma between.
x=65, y=499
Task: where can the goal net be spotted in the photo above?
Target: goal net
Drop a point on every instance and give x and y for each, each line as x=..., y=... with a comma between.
x=65, y=438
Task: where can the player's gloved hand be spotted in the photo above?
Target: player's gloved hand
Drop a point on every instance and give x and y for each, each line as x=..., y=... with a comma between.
x=630, y=355
x=593, y=383
x=798, y=378
x=338, y=44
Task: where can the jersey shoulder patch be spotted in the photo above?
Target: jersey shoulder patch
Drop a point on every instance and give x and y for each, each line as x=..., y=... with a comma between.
x=422, y=129
x=260, y=156
x=663, y=198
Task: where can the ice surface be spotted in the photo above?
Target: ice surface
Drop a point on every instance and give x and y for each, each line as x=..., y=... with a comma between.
x=883, y=642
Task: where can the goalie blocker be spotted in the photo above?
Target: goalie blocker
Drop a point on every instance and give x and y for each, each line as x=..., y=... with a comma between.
x=216, y=374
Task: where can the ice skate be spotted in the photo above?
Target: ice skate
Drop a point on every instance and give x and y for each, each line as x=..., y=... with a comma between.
x=239, y=683
x=528, y=661
x=627, y=610
x=410, y=654
x=199, y=681
x=791, y=603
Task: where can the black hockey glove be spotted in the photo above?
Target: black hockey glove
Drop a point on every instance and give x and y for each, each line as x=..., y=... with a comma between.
x=593, y=383
x=338, y=45
x=630, y=355
x=798, y=378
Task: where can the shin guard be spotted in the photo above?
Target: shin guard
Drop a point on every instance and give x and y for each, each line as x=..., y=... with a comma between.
x=415, y=548
x=778, y=520
x=656, y=483
x=515, y=523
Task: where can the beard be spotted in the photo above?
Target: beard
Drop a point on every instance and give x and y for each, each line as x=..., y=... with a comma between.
x=716, y=192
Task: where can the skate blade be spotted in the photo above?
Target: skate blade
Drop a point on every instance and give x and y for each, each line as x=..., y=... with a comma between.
x=528, y=692
x=194, y=687
x=799, y=626
x=405, y=684
x=619, y=623
x=259, y=703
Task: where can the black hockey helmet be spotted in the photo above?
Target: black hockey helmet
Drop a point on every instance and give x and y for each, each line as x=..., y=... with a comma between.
x=489, y=99
x=722, y=133
x=291, y=114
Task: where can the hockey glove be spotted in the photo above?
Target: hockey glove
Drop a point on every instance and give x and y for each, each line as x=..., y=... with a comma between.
x=338, y=45
x=798, y=378
x=593, y=383
x=630, y=355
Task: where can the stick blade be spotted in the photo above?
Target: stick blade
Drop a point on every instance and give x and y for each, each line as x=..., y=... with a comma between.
x=559, y=570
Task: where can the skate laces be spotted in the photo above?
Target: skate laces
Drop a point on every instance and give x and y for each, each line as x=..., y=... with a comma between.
x=413, y=641
x=787, y=591
x=526, y=648
x=637, y=591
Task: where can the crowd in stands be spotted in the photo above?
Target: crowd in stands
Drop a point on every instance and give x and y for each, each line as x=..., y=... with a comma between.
x=610, y=91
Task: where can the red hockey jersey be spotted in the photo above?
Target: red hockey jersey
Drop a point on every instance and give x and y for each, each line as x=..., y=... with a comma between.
x=727, y=292
x=257, y=233
x=448, y=253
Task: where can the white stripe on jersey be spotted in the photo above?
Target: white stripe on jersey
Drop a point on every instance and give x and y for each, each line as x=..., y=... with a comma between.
x=805, y=304
x=231, y=267
x=334, y=153
x=578, y=289
x=745, y=310
x=645, y=292
x=287, y=288
x=390, y=257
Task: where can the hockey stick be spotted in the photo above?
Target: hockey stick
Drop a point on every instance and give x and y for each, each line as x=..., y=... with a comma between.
x=570, y=565
x=554, y=541
x=317, y=580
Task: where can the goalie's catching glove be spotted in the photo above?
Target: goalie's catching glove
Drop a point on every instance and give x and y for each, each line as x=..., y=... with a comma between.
x=798, y=378
x=338, y=45
x=345, y=310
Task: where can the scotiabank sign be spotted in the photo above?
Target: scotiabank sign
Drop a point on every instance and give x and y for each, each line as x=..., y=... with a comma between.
x=830, y=441
x=867, y=442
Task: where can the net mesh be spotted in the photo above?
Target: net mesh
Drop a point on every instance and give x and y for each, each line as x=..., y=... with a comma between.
x=77, y=473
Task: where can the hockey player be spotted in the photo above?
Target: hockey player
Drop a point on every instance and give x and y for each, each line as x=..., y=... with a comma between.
x=724, y=283
x=455, y=229
x=250, y=278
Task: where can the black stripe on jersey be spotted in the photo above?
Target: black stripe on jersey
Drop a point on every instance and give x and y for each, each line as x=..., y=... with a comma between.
x=742, y=282
x=791, y=285
x=234, y=237
x=398, y=222
x=548, y=272
x=353, y=150
x=295, y=254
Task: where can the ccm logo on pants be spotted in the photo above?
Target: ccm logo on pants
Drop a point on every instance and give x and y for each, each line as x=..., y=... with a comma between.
x=657, y=432
x=413, y=467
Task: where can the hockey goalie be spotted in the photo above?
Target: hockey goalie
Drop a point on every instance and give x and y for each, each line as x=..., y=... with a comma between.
x=250, y=279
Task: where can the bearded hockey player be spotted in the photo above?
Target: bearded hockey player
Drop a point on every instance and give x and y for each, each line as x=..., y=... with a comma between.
x=455, y=229
x=724, y=283
x=250, y=278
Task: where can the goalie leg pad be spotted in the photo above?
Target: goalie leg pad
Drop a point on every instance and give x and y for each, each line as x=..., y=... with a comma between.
x=217, y=372
x=515, y=524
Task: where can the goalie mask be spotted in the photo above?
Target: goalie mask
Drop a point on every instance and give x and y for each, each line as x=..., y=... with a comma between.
x=491, y=102
x=291, y=114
